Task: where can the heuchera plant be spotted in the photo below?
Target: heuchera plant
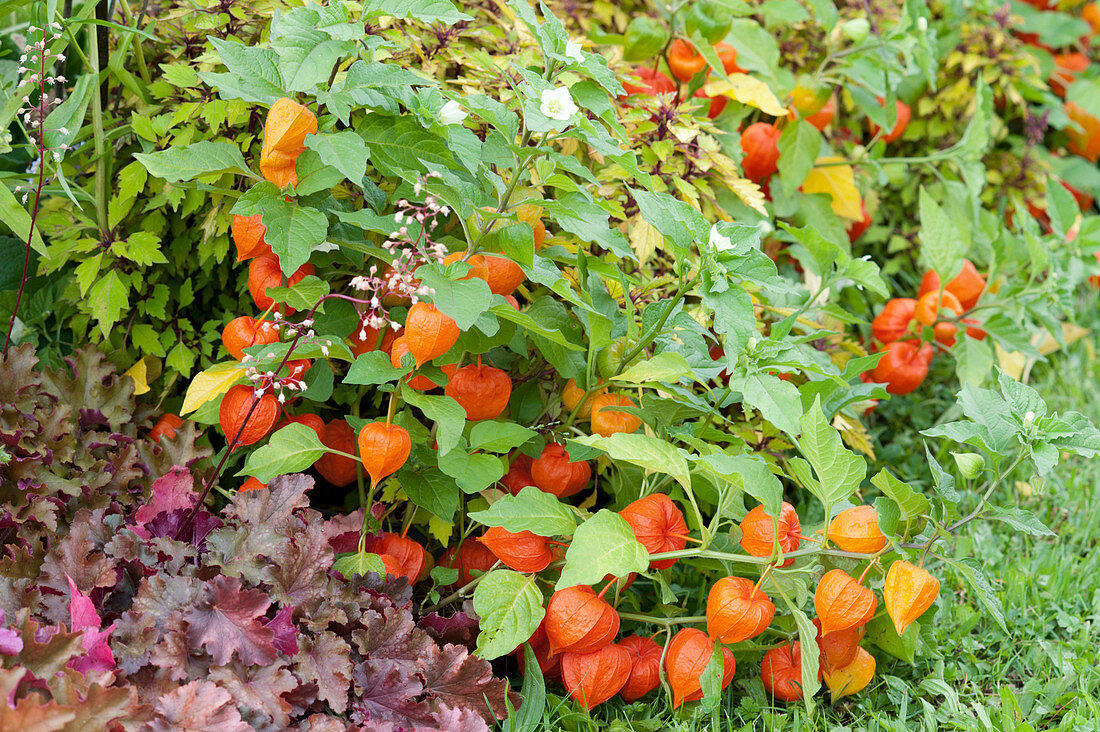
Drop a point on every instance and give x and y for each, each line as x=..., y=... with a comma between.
x=109, y=622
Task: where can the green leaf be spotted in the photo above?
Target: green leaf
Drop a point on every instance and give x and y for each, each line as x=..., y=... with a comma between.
x=940, y=239
x=309, y=43
x=975, y=577
x=839, y=470
x=776, y=399
x=462, y=300
x=359, y=563
x=582, y=217
x=676, y=220
x=509, y=606
x=290, y=450
x=444, y=411
x=108, y=297
x=533, y=693
x=531, y=510
x=601, y=546
x=668, y=367
x=190, y=161
x=431, y=490
x=798, y=149
x=371, y=368
x=427, y=11
x=807, y=637
x=913, y=505
x=253, y=73
x=472, y=473
x=302, y=296
x=344, y=151
x=69, y=115
x=400, y=146
x=882, y=633
x=292, y=231
x=499, y=437
x=644, y=451
x=1019, y=519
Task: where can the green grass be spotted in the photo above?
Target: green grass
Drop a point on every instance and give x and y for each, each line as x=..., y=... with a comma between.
x=1042, y=673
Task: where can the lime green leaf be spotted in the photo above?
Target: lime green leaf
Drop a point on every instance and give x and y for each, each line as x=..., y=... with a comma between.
x=839, y=470
x=190, y=161
x=601, y=546
x=644, y=451
x=290, y=450
x=509, y=606
x=531, y=510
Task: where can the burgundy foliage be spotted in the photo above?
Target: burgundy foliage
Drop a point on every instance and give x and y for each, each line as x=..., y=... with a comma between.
x=108, y=621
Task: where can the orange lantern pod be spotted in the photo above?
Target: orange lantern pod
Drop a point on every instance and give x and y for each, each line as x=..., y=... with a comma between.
x=252, y=484
x=518, y=476
x=852, y=678
x=428, y=332
x=248, y=237
x=243, y=332
x=606, y=422
x=482, y=391
x=645, y=667
x=579, y=621
x=760, y=145
x=909, y=591
x=383, y=448
x=554, y=473
x=571, y=396
x=410, y=557
x=856, y=530
x=397, y=352
x=337, y=469
x=264, y=272
x=894, y=320
x=967, y=286
x=837, y=649
x=234, y=409
x=688, y=653
x=684, y=61
x=285, y=132
x=593, y=678
x=737, y=610
x=166, y=426
x=758, y=532
x=842, y=602
x=658, y=525
x=523, y=551
x=468, y=557
x=781, y=672
x=904, y=366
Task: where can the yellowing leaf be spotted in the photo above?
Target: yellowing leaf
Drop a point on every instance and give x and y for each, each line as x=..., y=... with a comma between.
x=749, y=193
x=839, y=181
x=747, y=90
x=854, y=435
x=1071, y=333
x=1011, y=363
x=644, y=239
x=440, y=529
x=139, y=373
x=210, y=384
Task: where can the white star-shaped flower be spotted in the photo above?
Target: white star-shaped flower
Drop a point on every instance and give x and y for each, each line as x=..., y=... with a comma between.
x=557, y=104
x=573, y=51
x=719, y=242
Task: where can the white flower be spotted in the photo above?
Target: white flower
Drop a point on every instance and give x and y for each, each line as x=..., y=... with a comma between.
x=719, y=242
x=451, y=113
x=558, y=104
x=573, y=51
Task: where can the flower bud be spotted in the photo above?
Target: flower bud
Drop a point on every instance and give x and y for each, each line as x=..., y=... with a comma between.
x=970, y=464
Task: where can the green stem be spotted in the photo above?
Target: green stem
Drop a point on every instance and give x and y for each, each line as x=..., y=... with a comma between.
x=102, y=163
x=683, y=620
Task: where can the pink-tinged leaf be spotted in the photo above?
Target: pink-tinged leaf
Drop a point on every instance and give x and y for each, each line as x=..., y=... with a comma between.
x=258, y=690
x=82, y=612
x=286, y=632
x=226, y=621
x=200, y=706
x=299, y=576
x=10, y=642
x=171, y=491
x=30, y=714
x=327, y=662
x=460, y=628
x=455, y=678
x=386, y=691
x=97, y=654
x=457, y=719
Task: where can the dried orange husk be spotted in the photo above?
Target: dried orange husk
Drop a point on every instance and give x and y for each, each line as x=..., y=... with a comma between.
x=658, y=525
x=285, y=132
x=856, y=530
x=758, y=532
x=522, y=551
x=737, y=610
x=577, y=621
x=781, y=672
x=645, y=667
x=852, y=678
x=383, y=448
x=688, y=653
x=909, y=591
x=428, y=332
x=842, y=602
x=593, y=678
